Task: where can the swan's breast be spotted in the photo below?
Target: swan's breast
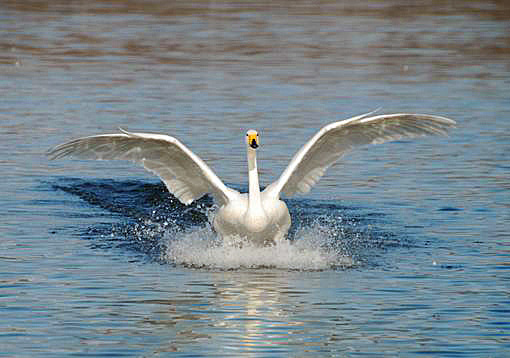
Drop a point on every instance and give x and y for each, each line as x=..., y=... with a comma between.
x=263, y=226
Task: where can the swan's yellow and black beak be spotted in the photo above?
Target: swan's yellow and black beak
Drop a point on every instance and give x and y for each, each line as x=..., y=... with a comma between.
x=253, y=138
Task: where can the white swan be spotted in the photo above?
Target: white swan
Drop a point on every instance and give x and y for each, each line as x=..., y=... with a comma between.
x=258, y=216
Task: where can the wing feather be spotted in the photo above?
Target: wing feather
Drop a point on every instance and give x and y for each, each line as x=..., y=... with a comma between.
x=185, y=175
x=335, y=139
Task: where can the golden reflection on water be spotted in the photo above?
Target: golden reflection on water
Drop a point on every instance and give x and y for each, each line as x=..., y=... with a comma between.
x=260, y=303
x=252, y=312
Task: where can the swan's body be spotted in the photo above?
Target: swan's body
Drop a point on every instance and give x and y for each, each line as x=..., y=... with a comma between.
x=260, y=217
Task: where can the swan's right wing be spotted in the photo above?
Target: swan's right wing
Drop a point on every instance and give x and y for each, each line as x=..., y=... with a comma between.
x=184, y=174
x=335, y=139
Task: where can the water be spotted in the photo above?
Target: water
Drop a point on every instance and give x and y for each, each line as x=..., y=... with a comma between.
x=401, y=250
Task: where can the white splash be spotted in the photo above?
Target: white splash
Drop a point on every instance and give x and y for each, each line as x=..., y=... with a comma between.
x=201, y=248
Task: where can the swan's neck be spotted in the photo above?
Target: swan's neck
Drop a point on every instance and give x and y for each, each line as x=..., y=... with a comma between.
x=253, y=179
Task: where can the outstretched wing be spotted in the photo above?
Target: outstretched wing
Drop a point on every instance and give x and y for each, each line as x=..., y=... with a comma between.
x=310, y=163
x=184, y=174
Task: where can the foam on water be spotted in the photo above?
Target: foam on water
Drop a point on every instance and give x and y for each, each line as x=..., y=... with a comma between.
x=324, y=235
x=201, y=248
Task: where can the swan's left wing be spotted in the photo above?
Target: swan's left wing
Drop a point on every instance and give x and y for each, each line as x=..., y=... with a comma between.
x=184, y=173
x=335, y=139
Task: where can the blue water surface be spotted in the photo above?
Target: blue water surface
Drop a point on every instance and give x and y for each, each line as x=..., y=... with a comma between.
x=401, y=250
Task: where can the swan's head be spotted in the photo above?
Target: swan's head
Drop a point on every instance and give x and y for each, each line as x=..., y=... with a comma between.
x=252, y=138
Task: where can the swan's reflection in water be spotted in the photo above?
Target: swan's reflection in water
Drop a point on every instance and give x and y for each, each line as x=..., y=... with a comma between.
x=260, y=310
x=233, y=312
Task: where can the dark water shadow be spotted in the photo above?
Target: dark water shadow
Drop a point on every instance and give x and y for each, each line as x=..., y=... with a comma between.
x=150, y=215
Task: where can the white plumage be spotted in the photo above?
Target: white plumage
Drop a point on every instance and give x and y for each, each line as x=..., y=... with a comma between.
x=257, y=216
